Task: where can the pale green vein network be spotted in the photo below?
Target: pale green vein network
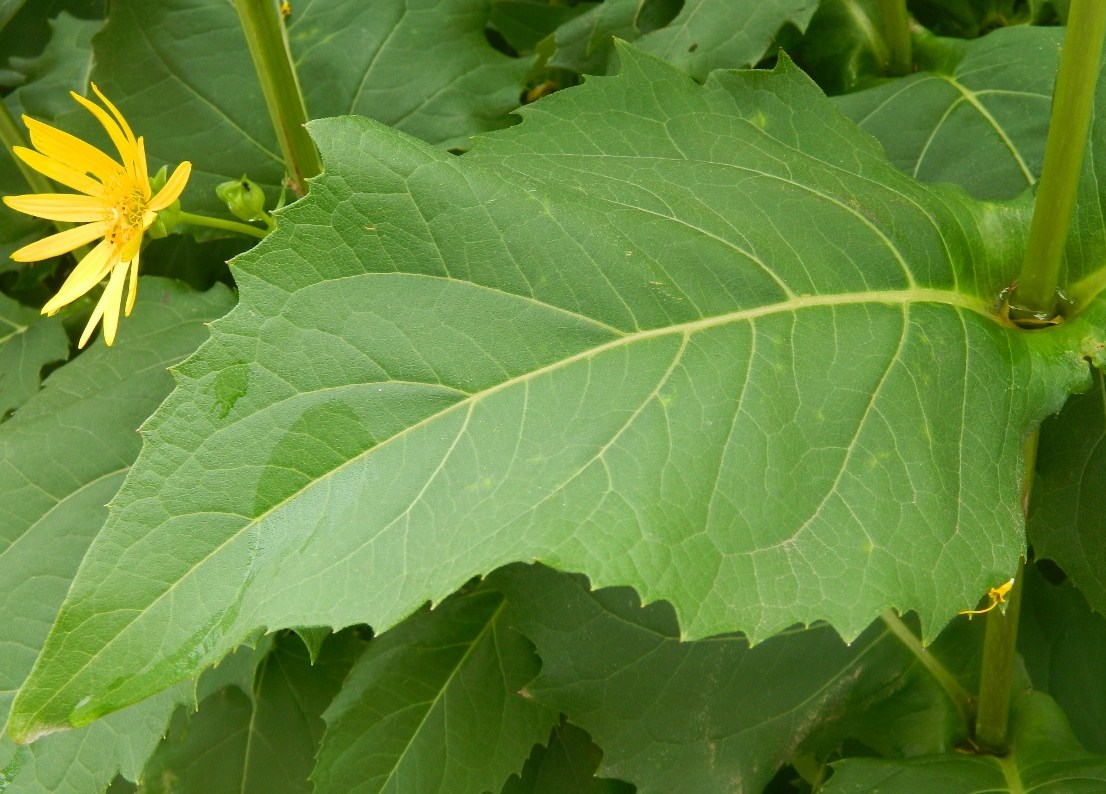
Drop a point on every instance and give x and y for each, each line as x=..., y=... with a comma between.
x=685, y=330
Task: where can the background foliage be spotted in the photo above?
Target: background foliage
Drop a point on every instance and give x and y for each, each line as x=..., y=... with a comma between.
x=596, y=452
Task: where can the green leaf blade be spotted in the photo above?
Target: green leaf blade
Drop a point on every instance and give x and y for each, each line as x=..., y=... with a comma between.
x=420, y=414
x=1044, y=757
x=434, y=705
x=995, y=92
x=27, y=344
x=262, y=739
x=53, y=507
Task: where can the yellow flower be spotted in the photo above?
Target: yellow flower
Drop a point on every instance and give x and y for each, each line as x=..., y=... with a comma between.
x=115, y=203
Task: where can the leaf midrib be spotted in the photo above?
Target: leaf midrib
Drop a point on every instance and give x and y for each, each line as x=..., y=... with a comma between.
x=886, y=297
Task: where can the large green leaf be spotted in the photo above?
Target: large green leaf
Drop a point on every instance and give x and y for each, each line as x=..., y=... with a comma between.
x=1044, y=758
x=434, y=706
x=968, y=19
x=260, y=740
x=698, y=36
x=994, y=92
x=62, y=457
x=566, y=764
x=28, y=342
x=62, y=67
x=1067, y=522
x=704, y=341
x=1064, y=646
x=725, y=34
x=843, y=47
x=713, y=715
x=421, y=65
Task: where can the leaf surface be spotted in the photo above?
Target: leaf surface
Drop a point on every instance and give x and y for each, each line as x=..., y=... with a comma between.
x=768, y=398
x=1063, y=644
x=28, y=342
x=62, y=67
x=434, y=706
x=725, y=34
x=262, y=740
x=843, y=47
x=1044, y=758
x=697, y=36
x=390, y=60
x=565, y=764
x=54, y=504
x=421, y=66
x=711, y=715
x=1066, y=522
x=995, y=92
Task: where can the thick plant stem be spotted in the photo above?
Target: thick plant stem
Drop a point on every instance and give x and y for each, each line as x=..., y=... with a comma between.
x=896, y=33
x=273, y=62
x=992, y=714
x=1072, y=103
x=956, y=693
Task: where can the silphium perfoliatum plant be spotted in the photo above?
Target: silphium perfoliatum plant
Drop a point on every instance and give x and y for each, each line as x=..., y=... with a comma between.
x=684, y=428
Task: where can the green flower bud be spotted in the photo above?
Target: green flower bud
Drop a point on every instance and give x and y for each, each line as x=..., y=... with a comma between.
x=243, y=198
x=165, y=222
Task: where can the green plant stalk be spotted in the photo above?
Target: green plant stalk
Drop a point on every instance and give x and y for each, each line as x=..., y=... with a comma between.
x=947, y=681
x=272, y=60
x=992, y=714
x=219, y=223
x=1072, y=105
x=896, y=34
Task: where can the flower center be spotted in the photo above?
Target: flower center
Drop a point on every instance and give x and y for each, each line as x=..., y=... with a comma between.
x=126, y=212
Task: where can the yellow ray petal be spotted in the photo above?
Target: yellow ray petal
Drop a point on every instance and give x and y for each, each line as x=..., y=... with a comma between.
x=72, y=151
x=110, y=301
x=173, y=188
x=61, y=243
x=143, y=173
x=62, y=174
x=132, y=292
x=126, y=149
x=118, y=137
x=59, y=207
x=115, y=112
x=86, y=275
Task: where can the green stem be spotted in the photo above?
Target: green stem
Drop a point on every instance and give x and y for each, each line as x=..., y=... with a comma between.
x=272, y=61
x=11, y=135
x=896, y=33
x=947, y=681
x=1000, y=643
x=219, y=223
x=1072, y=105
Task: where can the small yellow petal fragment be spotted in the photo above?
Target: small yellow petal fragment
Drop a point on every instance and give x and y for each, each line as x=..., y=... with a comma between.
x=997, y=595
